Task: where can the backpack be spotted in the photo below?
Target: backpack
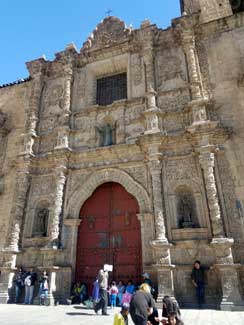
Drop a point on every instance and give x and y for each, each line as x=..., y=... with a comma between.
x=28, y=281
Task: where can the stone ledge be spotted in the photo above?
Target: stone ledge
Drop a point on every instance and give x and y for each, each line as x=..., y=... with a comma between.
x=190, y=234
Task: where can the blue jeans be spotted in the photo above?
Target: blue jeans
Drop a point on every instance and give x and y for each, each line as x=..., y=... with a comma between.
x=113, y=298
x=18, y=290
x=29, y=294
x=200, y=292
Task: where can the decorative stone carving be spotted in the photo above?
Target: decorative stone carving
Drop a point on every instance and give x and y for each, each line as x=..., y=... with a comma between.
x=181, y=170
x=136, y=69
x=60, y=179
x=54, y=95
x=189, y=49
x=62, y=138
x=42, y=185
x=207, y=161
x=109, y=32
x=152, y=114
x=17, y=212
x=156, y=171
x=106, y=134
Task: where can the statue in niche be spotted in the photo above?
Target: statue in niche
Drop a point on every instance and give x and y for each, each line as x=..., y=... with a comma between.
x=186, y=212
x=106, y=134
x=41, y=223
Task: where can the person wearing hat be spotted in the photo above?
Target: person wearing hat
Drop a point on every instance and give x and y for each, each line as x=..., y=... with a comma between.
x=122, y=317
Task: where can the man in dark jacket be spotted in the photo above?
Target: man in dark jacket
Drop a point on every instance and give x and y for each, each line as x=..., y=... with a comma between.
x=141, y=305
x=19, y=281
x=198, y=280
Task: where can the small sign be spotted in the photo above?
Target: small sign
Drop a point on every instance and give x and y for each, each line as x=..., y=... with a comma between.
x=108, y=267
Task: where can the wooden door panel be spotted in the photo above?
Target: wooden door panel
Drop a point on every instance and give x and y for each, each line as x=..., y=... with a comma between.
x=109, y=233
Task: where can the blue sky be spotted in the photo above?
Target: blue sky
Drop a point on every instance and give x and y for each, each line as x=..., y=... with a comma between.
x=30, y=28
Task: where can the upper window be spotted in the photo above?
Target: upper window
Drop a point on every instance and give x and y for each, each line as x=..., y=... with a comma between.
x=237, y=5
x=111, y=88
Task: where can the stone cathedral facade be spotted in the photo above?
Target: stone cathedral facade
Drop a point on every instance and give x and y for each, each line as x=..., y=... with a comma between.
x=154, y=115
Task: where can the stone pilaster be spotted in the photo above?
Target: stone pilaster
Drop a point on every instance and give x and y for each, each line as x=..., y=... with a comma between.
x=207, y=162
x=71, y=240
x=60, y=179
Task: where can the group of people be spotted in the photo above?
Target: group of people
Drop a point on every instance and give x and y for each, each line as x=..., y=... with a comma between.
x=141, y=303
x=25, y=282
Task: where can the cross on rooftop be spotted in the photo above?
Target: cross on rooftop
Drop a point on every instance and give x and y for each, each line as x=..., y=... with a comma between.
x=108, y=13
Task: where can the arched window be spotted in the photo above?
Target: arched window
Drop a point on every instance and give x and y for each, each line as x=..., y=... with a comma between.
x=40, y=225
x=186, y=208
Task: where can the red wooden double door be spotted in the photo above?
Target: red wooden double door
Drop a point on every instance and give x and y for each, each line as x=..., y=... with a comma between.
x=109, y=233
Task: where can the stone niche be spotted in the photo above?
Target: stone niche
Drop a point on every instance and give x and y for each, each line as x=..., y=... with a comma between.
x=187, y=224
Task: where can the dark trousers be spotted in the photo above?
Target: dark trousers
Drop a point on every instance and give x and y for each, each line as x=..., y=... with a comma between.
x=103, y=302
x=200, y=292
x=139, y=320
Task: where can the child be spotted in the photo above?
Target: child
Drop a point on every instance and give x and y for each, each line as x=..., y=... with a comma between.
x=122, y=317
x=113, y=291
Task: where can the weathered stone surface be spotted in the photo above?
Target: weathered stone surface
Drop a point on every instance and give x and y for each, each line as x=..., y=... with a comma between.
x=178, y=134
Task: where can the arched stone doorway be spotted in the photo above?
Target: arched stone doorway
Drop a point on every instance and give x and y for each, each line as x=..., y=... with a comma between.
x=109, y=233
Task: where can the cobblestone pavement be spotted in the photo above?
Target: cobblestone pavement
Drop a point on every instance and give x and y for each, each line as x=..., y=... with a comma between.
x=72, y=315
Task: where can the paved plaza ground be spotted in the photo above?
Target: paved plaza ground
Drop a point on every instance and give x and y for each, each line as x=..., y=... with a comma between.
x=72, y=315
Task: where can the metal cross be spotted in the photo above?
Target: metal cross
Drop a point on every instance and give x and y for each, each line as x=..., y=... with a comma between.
x=108, y=12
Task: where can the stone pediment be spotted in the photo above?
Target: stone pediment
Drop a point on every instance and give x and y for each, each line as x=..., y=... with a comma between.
x=110, y=31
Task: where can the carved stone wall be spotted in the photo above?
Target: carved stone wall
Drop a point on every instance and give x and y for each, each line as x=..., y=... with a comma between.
x=178, y=80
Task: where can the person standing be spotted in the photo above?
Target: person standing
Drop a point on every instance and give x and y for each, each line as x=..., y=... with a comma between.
x=30, y=280
x=19, y=281
x=103, y=293
x=141, y=305
x=44, y=288
x=113, y=292
x=121, y=289
x=198, y=280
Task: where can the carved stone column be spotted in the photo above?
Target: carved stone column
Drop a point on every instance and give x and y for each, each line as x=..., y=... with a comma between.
x=60, y=178
x=155, y=167
x=222, y=246
x=36, y=69
x=160, y=245
x=17, y=213
x=207, y=162
x=148, y=58
x=228, y=271
x=63, y=129
x=192, y=64
x=152, y=114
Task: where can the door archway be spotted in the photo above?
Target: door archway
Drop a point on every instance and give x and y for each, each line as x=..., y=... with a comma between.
x=109, y=233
